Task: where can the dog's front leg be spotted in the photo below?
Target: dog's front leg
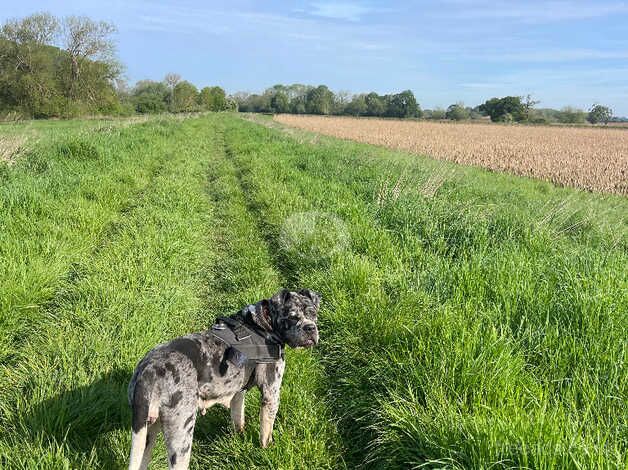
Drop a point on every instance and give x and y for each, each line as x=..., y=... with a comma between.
x=268, y=411
x=269, y=382
x=237, y=411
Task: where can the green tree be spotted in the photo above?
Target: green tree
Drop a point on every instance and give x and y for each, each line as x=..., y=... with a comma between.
x=402, y=105
x=297, y=104
x=357, y=106
x=437, y=113
x=319, y=100
x=253, y=103
x=150, y=97
x=528, y=107
x=340, y=102
x=457, y=112
x=39, y=79
x=184, y=98
x=497, y=108
x=375, y=104
x=213, y=98
x=599, y=113
x=28, y=66
x=86, y=41
x=571, y=115
x=280, y=103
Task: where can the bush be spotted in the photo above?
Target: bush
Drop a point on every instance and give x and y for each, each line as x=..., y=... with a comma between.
x=570, y=115
x=457, y=112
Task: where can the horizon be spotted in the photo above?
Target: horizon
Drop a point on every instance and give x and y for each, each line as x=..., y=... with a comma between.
x=563, y=53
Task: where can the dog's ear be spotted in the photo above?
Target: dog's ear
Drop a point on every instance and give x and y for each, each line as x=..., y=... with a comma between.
x=315, y=297
x=280, y=297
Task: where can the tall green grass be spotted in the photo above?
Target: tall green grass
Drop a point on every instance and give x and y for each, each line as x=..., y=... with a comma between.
x=478, y=326
x=469, y=319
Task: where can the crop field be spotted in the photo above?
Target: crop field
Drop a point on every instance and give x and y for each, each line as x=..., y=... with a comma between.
x=595, y=159
x=470, y=319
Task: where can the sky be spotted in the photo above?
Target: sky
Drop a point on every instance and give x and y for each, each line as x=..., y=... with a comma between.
x=565, y=52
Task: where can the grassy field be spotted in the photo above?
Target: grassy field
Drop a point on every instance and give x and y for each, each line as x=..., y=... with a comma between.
x=470, y=319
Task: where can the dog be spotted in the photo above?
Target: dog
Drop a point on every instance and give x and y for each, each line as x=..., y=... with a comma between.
x=194, y=372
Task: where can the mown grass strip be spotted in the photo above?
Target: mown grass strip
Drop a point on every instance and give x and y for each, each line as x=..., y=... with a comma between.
x=462, y=339
x=244, y=272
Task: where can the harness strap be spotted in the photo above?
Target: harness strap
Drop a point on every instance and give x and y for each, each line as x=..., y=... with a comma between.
x=247, y=345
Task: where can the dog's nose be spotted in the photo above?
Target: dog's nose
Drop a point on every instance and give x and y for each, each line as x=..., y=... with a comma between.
x=309, y=328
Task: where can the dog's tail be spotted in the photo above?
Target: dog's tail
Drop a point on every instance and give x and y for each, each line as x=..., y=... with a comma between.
x=140, y=403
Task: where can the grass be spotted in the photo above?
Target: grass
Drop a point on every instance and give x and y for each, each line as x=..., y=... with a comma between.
x=470, y=319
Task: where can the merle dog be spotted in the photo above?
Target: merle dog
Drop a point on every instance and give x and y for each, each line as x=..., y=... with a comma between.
x=197, y=371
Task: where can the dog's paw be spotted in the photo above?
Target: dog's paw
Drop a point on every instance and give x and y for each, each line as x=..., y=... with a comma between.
x=266, y=442
x=239, y=429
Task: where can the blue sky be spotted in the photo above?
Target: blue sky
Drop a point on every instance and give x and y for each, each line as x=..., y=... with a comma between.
x=562, y=52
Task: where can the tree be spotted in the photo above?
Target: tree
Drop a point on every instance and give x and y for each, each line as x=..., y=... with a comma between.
x=340, y=102
x=184, y=98
x=599, y=113
x=457, y=112
x=213, y=98
x=297, y=104
x=280, y=102
x=150, y=97
x=375, y=104
x=437, y=113
x=497, y=108
x=528, y=107
x=39, y=28
x=39, y=79
x=319, y=100
x=231, y=104
x=172, y=79
x=571, y=115
x=29, y=66
x=252, y=103
x=297, y=94
x=357, y=106
x=88, y=40
x=402, y=105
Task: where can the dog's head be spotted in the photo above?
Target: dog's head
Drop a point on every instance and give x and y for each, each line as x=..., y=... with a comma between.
x=291, y=316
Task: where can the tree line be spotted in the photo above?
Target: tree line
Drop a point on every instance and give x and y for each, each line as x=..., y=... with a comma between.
x=305, y=99
x=65, y=67
x=174, y=95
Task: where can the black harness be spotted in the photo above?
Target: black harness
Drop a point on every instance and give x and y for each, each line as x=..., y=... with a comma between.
x=248, y=344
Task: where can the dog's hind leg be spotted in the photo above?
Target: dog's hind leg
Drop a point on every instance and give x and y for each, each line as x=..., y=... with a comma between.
x=138, y=445
x=237, y=411
x=151, y=439
x=178, y=432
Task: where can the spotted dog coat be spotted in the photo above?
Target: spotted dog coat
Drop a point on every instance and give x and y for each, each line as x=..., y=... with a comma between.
x=191, y=373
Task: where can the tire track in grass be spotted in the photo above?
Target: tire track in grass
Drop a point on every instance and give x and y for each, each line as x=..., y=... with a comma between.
x=67, y=401
x=244, y=272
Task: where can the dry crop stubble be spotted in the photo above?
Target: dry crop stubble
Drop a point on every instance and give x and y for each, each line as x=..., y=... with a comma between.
x=594, y=159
